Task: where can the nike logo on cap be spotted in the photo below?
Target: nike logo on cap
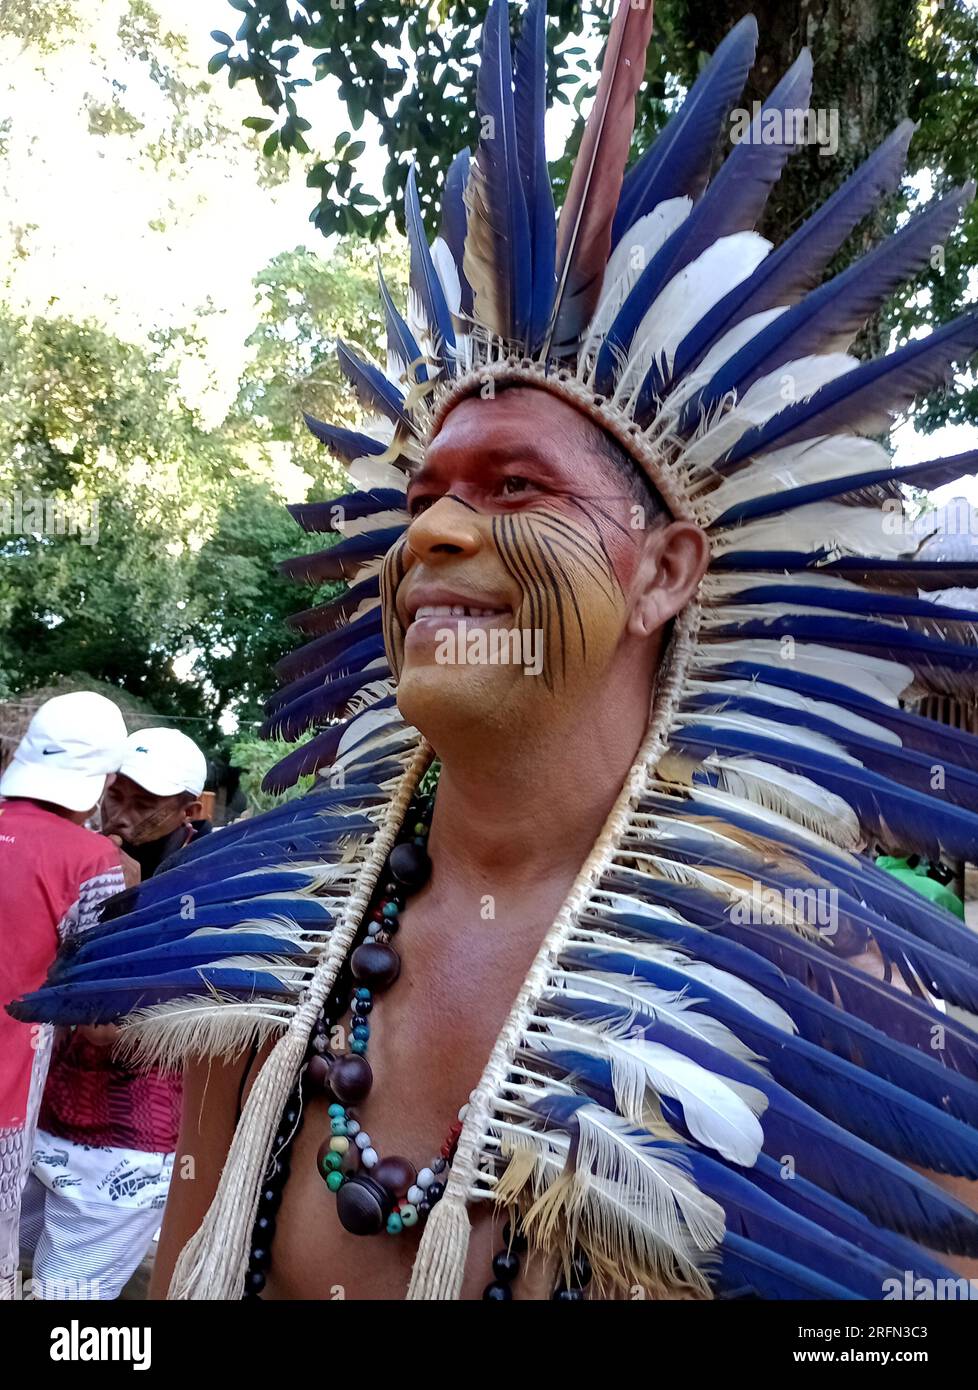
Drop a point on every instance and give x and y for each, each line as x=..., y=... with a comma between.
x=47, y=752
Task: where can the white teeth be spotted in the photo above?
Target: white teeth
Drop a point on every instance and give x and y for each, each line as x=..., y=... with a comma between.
x=445, y=610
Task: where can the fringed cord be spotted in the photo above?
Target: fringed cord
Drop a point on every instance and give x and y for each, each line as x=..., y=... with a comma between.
x=439, y=1267
x=214, y=1262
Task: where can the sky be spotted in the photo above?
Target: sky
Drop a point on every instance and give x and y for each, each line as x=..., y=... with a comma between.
x=109, y=235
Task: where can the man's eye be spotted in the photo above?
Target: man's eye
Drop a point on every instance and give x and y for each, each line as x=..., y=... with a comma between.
x=514, y=484
x=417, y=505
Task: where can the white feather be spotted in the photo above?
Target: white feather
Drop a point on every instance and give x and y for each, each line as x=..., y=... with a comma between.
x=612, y=1161
x=447, y=272
x=626, y=263
x=791, y=699
x=811, y=461
x=786, y=385
x=797, y=798
x=770, y=728
x=693, y=292
x=732, y=341
x=368, y=472
x=867, y=675
x=829, y=526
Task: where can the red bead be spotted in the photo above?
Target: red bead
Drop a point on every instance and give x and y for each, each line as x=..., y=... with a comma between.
x=395, y=1174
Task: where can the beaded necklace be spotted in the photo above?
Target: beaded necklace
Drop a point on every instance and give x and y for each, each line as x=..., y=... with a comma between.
x=374, y=1194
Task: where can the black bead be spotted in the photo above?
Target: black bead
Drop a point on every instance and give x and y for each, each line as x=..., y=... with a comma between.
x=438, y=1166
x=434, y=1192
x=517, y=1242
x=271, y=1197
x=375, y=965
x=363, y=1006
x=567, y=1296
x=254, y=1281
x=410, y=865
x=497, y=1293
x=424, y=1207
x=290, y=1117
x=260, y=1257
x=506, y=1265
x=265, y=1227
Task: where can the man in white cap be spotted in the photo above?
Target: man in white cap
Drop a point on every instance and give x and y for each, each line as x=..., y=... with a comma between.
x=55, y=875
x=104, y=1151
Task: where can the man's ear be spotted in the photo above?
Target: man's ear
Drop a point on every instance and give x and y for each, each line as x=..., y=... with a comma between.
x=193, y=810
x=674, y=560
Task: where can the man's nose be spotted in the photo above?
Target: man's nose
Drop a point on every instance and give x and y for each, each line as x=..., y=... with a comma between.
x=447, y=529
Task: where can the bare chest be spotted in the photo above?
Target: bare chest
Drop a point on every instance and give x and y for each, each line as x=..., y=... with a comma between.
x=431, y=1035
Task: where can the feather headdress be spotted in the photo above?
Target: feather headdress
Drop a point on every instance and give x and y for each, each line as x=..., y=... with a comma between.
x=693, y=1016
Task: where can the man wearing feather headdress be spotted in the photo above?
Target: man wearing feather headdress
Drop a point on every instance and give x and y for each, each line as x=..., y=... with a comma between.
x=545, y=934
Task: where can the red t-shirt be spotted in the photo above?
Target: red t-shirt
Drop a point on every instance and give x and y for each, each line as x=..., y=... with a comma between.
x=54, y=875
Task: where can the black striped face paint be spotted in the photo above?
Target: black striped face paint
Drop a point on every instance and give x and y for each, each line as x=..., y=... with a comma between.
x=522, y=533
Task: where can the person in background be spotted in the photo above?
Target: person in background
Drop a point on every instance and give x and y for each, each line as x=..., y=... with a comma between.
x=55, y=875
x=103, y=1157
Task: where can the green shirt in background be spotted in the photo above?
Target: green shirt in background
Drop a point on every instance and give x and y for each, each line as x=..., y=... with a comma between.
x=919, y=880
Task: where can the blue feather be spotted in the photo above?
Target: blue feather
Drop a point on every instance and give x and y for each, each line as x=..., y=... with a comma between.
x=320, y=705
x=678, y=163
x=795, y=267
x=865, y=399
x=744, y=1265
x=914, y=731
x=324, y=617
x=499, y=180
x=372, y=387
x=322, y=517
x=530, y=104
x=733, y=203
x=342, y=560
x=309, y=656
x=863, y=1103
x=454, y=221
x=401, y=343
x=347, y=445
x=829, y=318
x=885, y=1190
x=890, y=812
x=106, y=1001
x=425, y=284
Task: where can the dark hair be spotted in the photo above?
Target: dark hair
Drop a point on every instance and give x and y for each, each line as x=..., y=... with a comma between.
x=636, y=481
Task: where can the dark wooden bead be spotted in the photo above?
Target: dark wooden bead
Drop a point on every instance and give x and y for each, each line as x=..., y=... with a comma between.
x=350, y=1078
x=375, y=965
x=410, y=865
x=395, y=1174
x=506, y=1265
x=497, y=1293
x=514, y=1241
x=317, y=1072
x=363, y=1206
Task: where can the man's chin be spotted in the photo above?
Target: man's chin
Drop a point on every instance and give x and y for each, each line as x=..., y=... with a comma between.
x=448, y=699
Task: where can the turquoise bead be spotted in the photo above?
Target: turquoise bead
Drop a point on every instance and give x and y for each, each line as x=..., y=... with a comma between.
x=334, y=1181
x=335, y=1111
x=337, y=1126
x=389, y=909
x=408, y=1213
x=358, y=1045
x=394, y=1223
x=361, y=993
x=361, y=1030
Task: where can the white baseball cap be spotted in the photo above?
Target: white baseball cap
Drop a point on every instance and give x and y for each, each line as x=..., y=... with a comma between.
x=164, y=762
x=72, y=744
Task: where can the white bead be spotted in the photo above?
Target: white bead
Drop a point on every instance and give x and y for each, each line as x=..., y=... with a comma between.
x=425, y=1178
x=415, y=1194
x=362, y=1140
x=374, y=928
x=369, y=1158
x=353, y=1127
